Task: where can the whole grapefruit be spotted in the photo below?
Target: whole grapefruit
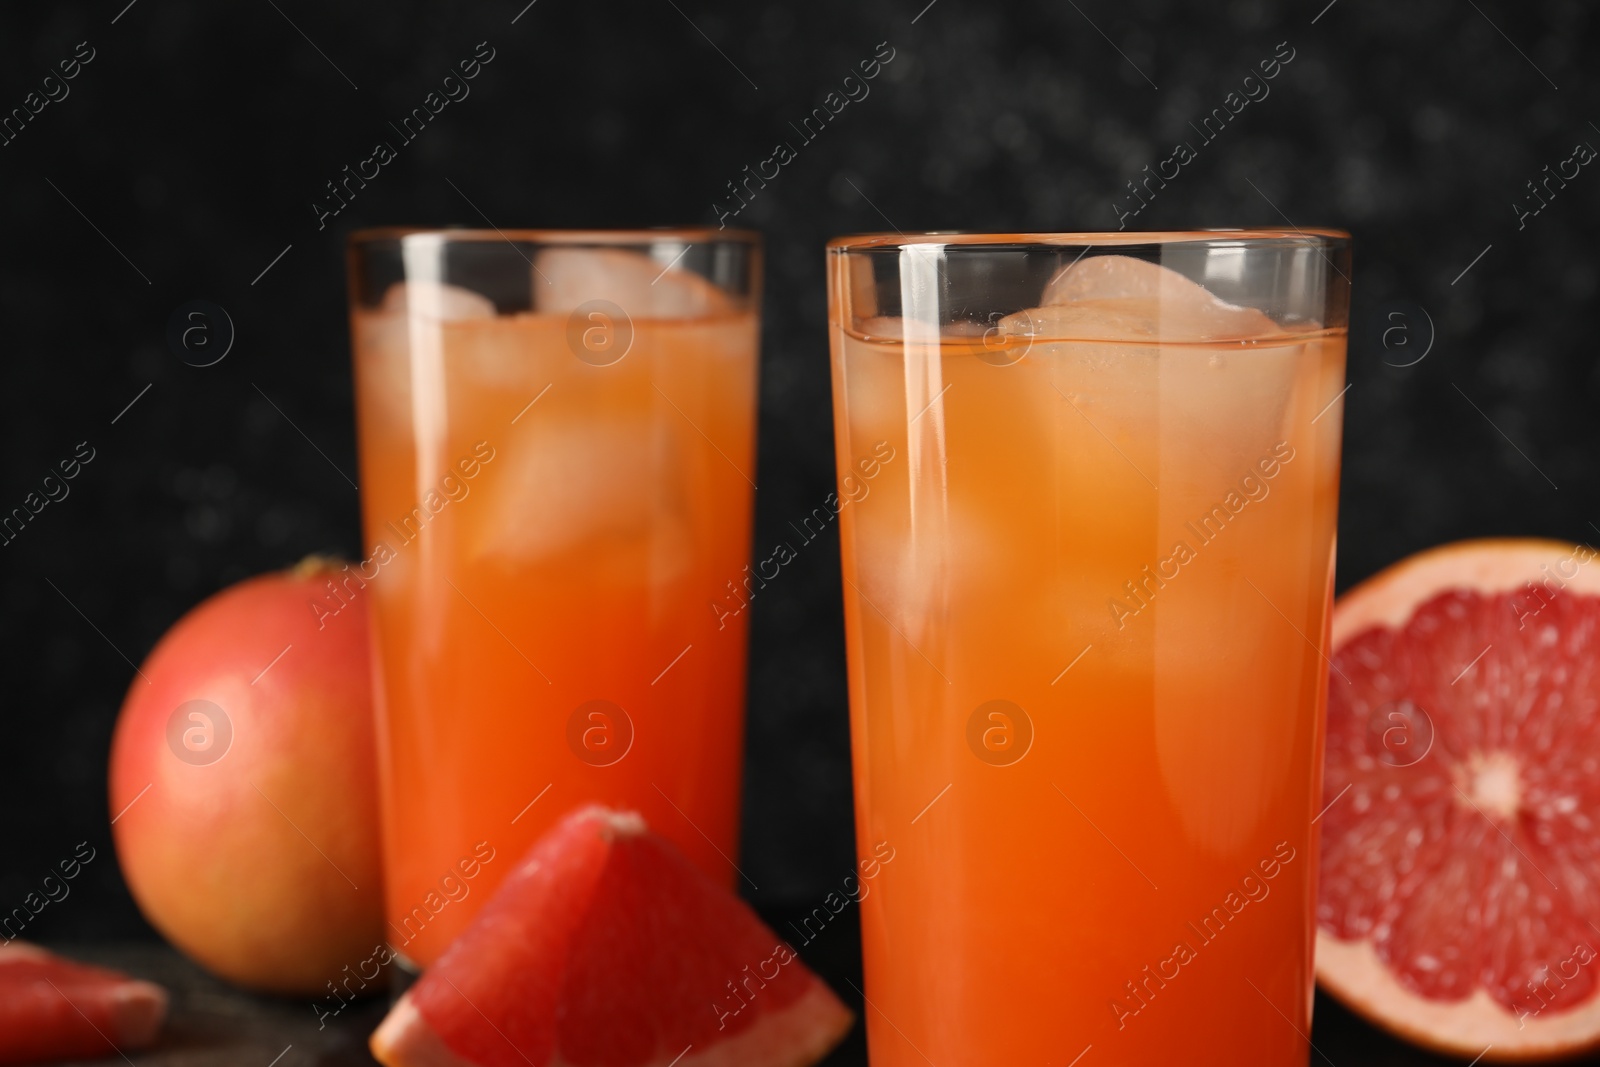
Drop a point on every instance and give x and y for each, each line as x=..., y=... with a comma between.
x=1459, y=904
x=243, y=784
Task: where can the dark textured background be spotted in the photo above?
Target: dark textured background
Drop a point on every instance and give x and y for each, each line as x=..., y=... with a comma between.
x=199, y=135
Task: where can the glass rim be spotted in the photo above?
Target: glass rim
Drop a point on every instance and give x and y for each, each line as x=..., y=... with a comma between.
x=1291, y=237
x=623, y=237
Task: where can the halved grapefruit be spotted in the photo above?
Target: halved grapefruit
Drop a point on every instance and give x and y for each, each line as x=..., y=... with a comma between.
x=606, y=947
x=1459, y=904
x=54, y=1009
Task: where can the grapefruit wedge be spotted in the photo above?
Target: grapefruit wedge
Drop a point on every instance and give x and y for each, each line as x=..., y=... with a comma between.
x=1459, y=904
x=607, y=948
x=54, y=1009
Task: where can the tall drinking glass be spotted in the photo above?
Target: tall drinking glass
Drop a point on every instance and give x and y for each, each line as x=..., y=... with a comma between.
x=557, y=438
x=1088, y=559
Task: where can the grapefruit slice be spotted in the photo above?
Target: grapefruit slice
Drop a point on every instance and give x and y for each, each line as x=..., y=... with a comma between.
x=54, y=1009
x=1459, y=904
x=606, y=947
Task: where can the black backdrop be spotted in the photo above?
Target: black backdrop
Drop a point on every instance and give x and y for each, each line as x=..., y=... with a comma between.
x=186, y=154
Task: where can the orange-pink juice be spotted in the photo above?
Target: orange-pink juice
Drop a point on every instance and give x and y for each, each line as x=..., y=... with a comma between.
x=556, y=530
x=1083, y=607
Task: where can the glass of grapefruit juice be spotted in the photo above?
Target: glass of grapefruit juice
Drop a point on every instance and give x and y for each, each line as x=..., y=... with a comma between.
x=557, y=436
x=1085, y=602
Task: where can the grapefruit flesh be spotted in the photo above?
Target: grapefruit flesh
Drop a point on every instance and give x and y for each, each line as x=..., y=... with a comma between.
x=54, y=1009
x=606, y=947
x=1459, y=903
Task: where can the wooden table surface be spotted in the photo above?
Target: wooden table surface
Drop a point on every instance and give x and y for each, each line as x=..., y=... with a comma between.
x=215, y=1025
